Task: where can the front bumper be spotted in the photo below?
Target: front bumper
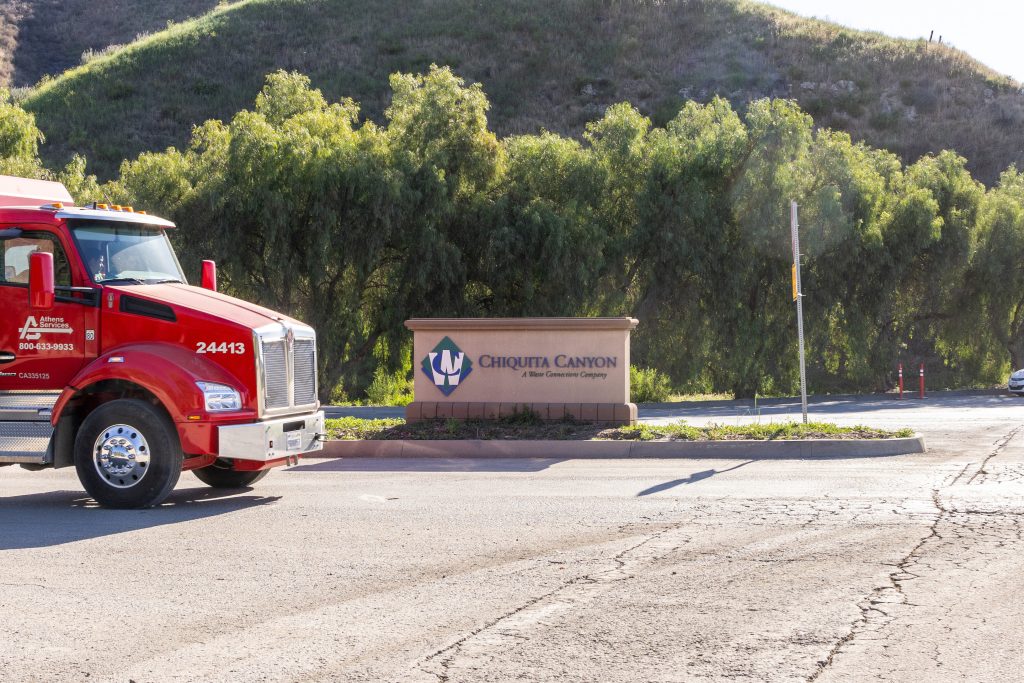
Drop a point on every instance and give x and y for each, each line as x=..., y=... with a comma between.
x=281, y=437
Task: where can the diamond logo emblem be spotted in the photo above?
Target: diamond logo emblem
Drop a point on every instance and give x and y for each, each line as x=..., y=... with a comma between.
x=447, y=366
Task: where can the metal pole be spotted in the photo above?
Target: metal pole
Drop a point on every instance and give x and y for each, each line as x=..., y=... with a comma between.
x=901, y=380
x=799, y=292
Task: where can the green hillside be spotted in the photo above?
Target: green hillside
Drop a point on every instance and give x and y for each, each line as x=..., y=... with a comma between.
x=47, y=37
x=553, y=65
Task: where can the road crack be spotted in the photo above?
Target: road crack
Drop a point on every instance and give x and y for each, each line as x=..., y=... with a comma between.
x=1000, y=445
x=23, y=585
x=445, y=657
x=872, y=607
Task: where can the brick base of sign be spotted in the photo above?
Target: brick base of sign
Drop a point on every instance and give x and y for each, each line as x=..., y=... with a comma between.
x=611, y=414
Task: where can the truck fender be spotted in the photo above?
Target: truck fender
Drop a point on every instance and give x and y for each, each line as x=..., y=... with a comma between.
x=167, y=371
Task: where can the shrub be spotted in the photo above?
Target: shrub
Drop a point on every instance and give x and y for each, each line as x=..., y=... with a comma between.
x=523, y=416
x=394, y=389
x=647, y=385
x=885, y=120
x=338, y=396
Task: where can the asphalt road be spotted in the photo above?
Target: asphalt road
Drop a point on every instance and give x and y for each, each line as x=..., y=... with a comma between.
x=901, y=569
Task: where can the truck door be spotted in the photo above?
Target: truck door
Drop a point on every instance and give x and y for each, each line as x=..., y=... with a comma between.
x=41, y=350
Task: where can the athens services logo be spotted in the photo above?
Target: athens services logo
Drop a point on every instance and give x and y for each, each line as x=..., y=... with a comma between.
x=35, y=328
x=447, y=366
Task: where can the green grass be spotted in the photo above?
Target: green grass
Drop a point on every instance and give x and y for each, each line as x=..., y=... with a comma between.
x=677, y=398
x=553, y=65
x=524, y=428
x=53, y=36
x=352, y=428
x=775, y=431
x=519, y=426
x=40, y=37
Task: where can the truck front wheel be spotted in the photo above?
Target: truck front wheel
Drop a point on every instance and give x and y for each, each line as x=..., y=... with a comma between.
x=127, y=454
x=221, y=475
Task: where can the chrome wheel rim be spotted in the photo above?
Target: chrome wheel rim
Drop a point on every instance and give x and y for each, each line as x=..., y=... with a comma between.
x=121, y=456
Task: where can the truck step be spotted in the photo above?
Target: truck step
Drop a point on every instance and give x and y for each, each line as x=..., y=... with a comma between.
x=25, y=442
x=19, y=406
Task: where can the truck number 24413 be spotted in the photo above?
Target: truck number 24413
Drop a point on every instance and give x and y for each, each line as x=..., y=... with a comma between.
x=221, y=347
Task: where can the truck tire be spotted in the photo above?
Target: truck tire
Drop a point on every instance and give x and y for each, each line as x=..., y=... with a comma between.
x=128, y=455
x=220, y=475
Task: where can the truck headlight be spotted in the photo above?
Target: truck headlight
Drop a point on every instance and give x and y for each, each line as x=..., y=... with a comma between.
x=220, y=397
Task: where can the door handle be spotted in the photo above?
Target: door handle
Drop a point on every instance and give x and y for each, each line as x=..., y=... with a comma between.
x=6, y=357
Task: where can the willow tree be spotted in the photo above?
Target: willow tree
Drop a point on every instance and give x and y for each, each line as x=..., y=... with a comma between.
x=19, y=153
x=681, y=247
x=936, y=297
x=844, y=278
x=996, y=269
x=544, y=246
x=345, y=224
x=356, y=226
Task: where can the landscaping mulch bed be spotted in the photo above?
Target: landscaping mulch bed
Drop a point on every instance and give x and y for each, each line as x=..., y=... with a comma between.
x=527, y=427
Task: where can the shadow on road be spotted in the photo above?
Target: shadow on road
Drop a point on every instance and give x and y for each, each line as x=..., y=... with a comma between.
x=41, y=520
x=429, y=465
x=692, y=479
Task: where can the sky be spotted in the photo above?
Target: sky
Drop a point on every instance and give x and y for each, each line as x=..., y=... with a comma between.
x=991, y=31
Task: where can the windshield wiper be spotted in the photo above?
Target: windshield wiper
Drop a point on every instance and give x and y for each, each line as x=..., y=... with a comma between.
x=164, y=282
x=129, y=280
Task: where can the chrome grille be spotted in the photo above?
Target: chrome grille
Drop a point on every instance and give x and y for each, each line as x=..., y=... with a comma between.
x=286, y=369
x=305, y=371
x=275, y=367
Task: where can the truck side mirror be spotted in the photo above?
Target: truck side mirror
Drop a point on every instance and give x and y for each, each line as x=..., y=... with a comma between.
x=209, y=280
x=40, y=280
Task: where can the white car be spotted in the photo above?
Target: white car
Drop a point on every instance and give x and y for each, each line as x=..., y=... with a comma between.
x=1016, y=383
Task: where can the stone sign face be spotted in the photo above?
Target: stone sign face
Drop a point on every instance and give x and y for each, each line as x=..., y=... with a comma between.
x=489, y=367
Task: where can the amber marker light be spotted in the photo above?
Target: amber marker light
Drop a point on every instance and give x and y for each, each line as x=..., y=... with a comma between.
x=194, y=418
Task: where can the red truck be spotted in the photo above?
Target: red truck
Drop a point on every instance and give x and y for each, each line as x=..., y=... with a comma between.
x=111, y=362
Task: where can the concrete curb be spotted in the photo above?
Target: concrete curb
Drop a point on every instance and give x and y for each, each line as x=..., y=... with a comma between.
x=910, y=397
x=368, y=412
x=472, y=448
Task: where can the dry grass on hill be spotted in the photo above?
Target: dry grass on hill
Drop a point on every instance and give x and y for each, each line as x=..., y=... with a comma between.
x=47, y=37
x=552, y=65
x=12, y=14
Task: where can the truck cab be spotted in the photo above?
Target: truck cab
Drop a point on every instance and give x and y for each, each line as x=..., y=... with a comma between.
x=112, y=363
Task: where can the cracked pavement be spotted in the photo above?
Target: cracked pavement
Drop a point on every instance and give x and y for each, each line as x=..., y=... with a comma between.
x=898, y=569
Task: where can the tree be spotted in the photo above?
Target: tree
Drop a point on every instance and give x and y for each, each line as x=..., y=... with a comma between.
x=353, y=228
x=845, y=264
x=941, y=301
x=996, y=266
x=543, y=244
x=754, y=327
x=19, y=152
x=680, y=250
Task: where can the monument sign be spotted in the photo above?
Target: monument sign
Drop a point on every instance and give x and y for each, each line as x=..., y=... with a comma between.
x=486, y=368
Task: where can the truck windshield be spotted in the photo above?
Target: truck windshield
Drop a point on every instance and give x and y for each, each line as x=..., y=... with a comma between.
x=126, y=253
